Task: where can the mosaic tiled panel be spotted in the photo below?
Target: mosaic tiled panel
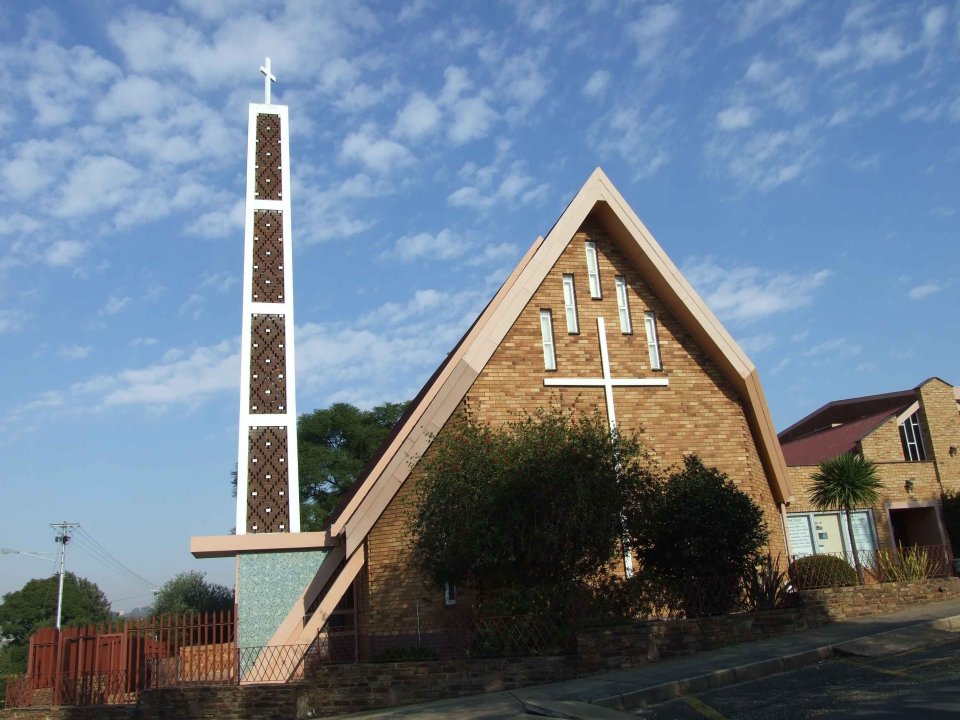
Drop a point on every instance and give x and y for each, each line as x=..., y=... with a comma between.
x=269, y=184
x=268, y=385
x=267, y=256
x=268, y=507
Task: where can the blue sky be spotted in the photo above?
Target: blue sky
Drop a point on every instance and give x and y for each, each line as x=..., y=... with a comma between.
x=799, y=160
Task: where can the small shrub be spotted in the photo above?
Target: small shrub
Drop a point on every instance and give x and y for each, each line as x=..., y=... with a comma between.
x=766, y=587
x=405, y=652
x=904, y=565
x=817, y=571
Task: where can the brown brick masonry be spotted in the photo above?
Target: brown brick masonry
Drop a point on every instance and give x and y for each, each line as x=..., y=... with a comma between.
x=344, y=688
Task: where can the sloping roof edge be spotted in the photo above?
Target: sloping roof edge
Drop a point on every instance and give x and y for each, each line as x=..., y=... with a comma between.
x=450, y=385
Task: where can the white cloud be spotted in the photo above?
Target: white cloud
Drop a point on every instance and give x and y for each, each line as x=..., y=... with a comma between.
x=750, y=16
x=97, y=183
x=221, y=282
x=34, y=166
x=752, y=344
x=766, y=159
x=64, y=252
x=495, y=186
x=933, y=23
x=417, y=118
x=835, y=348
x=596, y=85
x=925, y=290
x=376, y=153
x=218, y=223
x=11, y=320
x=736, y=117
x=635, y=134
x=182, y=378
x=653, y=31
x=747, y=294
x=472, y=120
x=61, y=78
x=442, y=246
x=74, y=352
x=114, y=305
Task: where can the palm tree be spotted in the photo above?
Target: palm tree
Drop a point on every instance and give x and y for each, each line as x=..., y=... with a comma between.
x=844, y=482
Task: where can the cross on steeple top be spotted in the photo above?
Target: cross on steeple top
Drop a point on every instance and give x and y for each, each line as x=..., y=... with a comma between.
x=268, y=77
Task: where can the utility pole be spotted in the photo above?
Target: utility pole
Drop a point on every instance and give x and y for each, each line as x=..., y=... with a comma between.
x=63, y=537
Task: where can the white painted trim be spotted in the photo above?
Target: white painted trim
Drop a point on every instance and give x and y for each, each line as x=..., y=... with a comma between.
x=902, y=417
x=593, y=270
x=623, y=305
x=600, y=382
x=607, y=382
x=287, y=419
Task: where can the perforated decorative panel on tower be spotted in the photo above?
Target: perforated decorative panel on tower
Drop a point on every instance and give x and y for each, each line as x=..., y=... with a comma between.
x=267, y=486
x=268, y=366
x=267, y=256
x=269, y=175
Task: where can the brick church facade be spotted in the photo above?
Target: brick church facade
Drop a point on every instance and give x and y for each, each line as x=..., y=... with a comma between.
x=595, y=318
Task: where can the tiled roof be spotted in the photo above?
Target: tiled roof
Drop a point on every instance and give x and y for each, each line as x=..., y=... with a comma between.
x=834, y=441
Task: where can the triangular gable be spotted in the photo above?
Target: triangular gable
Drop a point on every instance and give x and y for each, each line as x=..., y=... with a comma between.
x=463, y=366
x=446, y=389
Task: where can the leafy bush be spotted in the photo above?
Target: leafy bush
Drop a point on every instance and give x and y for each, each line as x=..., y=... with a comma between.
x=766, y=586
x=535, y=503
x=699, y=534
x=904, y=565
x=402, y=653
x=818, y=571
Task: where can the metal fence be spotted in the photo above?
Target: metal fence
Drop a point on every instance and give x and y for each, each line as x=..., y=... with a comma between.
x=904, y=564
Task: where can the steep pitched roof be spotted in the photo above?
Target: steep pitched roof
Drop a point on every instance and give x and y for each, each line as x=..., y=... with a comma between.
x=834, y=441
x=439, y=398
x=841, y=412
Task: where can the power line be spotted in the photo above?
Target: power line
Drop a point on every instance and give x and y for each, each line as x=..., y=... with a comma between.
x=100, y=553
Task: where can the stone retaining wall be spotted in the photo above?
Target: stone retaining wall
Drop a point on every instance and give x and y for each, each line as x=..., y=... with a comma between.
x=345, y=688
x=829, y=604
x=625, y=646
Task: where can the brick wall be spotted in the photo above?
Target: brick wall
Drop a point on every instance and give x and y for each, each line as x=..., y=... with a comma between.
x=943, y=419
x=344, y=688
x=620, y=647
x=828, y=604
x=699, y=412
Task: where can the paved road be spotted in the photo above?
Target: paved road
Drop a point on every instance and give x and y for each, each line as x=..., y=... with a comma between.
x=913, y=685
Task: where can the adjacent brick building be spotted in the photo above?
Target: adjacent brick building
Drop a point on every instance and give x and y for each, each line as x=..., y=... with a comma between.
x=913, y=436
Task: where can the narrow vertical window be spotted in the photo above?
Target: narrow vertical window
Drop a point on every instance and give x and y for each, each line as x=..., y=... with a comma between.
x=593, y=269
x=449, y=594
x=912, y=439
x=653, y=342
x=546, y=328
x=570, y=305
x=623, y=306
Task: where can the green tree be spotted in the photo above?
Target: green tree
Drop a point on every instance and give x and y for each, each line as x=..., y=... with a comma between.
x=33, y=606
x=843, y=483
x=188, y=592
x=335, y=444
x=697, y=534
x=532, y=505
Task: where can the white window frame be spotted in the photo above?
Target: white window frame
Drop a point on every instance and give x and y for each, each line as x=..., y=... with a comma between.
x=912, y=438
x=549, y=348
x=570, y=305
x=449, y=594
x=653, y=340
x=593, y=270
x=623, y=306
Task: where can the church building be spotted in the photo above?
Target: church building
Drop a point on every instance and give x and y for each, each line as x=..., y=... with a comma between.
x=594, y=318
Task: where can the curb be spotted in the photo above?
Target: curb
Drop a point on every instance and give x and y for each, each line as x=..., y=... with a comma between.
x=655, y=694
